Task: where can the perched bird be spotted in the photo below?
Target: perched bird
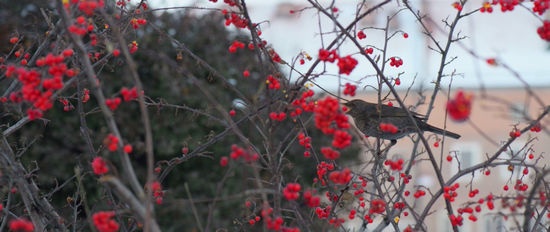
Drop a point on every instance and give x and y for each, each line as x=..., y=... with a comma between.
x=369, y=116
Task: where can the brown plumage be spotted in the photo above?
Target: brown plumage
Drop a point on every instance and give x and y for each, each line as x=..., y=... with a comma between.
x=368, y=116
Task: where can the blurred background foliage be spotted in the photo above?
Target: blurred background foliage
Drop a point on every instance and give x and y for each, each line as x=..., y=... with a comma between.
x=54, y=147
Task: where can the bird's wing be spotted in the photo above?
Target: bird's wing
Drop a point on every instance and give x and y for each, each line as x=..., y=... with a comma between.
x=390, y=111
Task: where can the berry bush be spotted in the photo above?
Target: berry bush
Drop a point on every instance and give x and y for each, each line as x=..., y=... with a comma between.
x=117, y=116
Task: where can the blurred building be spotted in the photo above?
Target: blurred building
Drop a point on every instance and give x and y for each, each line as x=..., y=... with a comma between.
x=495, y=112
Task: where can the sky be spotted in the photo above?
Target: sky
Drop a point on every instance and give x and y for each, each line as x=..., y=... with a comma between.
x=509, y=37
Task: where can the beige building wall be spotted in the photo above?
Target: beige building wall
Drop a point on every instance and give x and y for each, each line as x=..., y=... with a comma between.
x=483, y=134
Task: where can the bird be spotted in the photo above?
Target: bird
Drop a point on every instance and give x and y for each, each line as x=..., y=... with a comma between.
x=369, y=116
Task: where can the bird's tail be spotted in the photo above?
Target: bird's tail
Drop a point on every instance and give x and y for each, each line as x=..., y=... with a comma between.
x=443, y=132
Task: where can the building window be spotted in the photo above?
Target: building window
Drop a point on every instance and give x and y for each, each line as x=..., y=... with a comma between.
x=468, y=154
x=517, y=111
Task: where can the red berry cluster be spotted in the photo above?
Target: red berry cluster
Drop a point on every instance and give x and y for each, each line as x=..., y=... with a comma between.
x=346, y=64
x=377, y=206
x=99, y=166
x=460, y=107
x=350, y=89
x=449, y=192
x=304, y=140
x=133, y=46
x=85, y=95
x=236, y=20
x=515, y=133
x=88, y=6
x=104, y=222
x=361, y=35
x=311, y=200
x=253, y=221
x=473, y=193
x=238, y=152
x=388, y=128
x=67, y=106
x=303, y=104
x=352, y=213
x=322, y=169
x=369, y=50
x=327, y=56
x=419, y=193
x=21, y=225
x=456, y=220
x=277, y=116
x=14, y=40
x=272, y=82
x=396, y=165
x=137, y=22
x=236, y=45
x=536, y=128
x=486, y=7
x=156, y=188
x=113, y=103
x=111, y=142
x=457, y=5
x=331, y=121
x=328, y=117
x=341, y=177
x=540, y=6
x=275, y=56
x=396, y=61
x=292, y=191
x=341, y=139
x=38, y=90
x=521, y=186
x=129, y=94
x=323, y=213
x=544, y=30
x=399, y=205
x=330, y=153
x=81, y=26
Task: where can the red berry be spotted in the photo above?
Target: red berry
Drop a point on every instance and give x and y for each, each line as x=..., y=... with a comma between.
x=224, y=161
x=116, y=52
x=68, y=52
x=246, y=73
x=128, y=149
x=14, y=40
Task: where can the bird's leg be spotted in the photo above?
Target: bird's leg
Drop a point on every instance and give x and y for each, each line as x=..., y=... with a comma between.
x=386, y=149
